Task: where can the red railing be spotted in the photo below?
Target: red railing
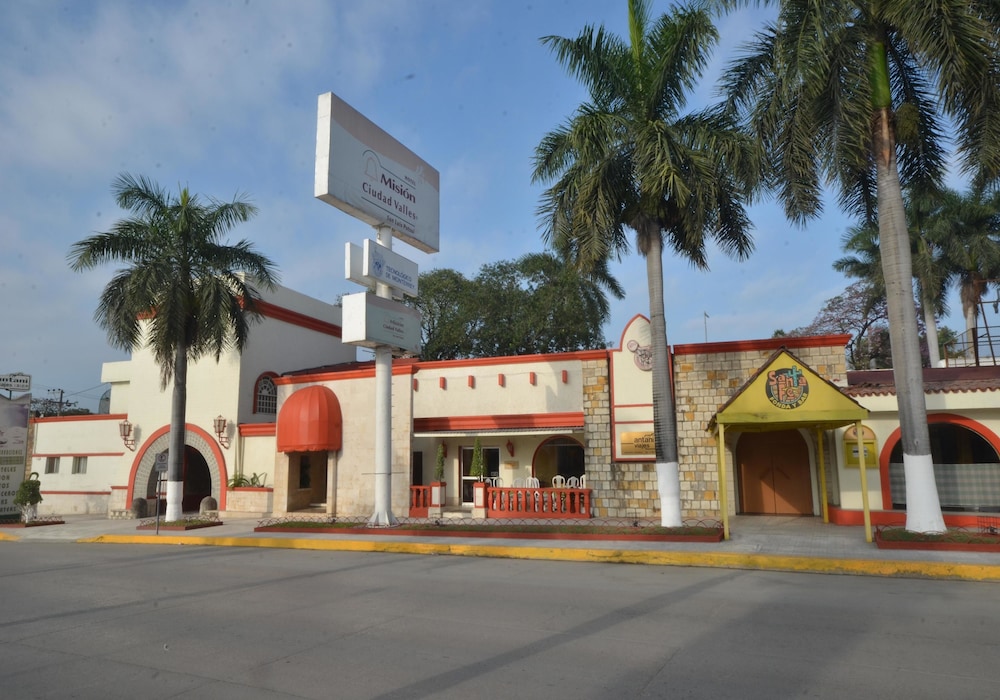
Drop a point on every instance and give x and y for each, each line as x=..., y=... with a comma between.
x=517, y=502
x=420, y=501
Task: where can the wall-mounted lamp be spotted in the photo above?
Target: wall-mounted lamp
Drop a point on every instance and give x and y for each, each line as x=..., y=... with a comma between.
x=125, y=430
x=221, y=424
x=510, y=448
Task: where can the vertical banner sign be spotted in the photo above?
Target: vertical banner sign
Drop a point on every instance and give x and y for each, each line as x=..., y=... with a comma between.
x=13, y=450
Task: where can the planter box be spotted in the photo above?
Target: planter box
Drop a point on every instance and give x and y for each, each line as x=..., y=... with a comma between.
x=34, y=523
x=937, y=545
x=250, y=499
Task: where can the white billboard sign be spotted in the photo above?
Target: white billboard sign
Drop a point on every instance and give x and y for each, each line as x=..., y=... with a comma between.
x=370, y=321
x=13, y=450
x=363, y=171
x=17, y=381
x=382, y=265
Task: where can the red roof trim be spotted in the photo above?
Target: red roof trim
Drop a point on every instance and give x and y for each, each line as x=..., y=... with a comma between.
x=366, y=371
x=508, y=422
x=76, y=454
x=280, y=313
x=89, y=416
x=517, y=359
x=790, y=342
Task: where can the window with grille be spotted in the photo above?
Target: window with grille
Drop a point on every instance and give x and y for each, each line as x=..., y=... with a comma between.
x=267, y=396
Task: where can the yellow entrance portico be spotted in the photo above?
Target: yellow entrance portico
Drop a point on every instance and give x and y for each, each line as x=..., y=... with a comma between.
x=786, y=394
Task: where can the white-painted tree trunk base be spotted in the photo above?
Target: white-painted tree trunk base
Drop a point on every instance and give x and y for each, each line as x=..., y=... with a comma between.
x=175, y=501
x=923, y=507
x=669, y=485
x=383, y=518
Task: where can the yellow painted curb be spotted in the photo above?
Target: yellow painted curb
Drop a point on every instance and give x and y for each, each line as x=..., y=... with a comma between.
x=4, y=537
x=724, y=560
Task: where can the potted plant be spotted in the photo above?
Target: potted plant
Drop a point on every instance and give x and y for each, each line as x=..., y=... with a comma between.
x=439, y=486
x=477, y=470
x=28, y=496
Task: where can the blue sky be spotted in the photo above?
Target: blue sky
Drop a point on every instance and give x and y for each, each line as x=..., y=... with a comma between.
x=220, y=97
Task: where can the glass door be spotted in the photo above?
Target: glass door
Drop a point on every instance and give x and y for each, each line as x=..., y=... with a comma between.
x=491, y=461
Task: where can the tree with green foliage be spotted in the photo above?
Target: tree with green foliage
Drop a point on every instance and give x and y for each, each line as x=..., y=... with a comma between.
x=477, y=468
x=856, y=92
x=183, y=293
x=536, y=304
x=967, y=228
x=28, y=496
x=860, y=313
x=631, y=159
x=439, y=464
x=445, y=314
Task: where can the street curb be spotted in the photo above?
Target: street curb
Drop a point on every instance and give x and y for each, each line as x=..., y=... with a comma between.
x=4, y=537
x=722, y=560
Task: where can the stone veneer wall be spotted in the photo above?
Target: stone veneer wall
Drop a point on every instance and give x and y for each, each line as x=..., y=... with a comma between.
x=704, y=382
x=620, y=489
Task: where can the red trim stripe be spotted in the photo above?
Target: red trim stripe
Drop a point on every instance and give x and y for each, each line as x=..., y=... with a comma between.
x=86, y=417
x=257, y=429
x=809, y=341
x=296, y=319
x=507, y=422
x=76, y=454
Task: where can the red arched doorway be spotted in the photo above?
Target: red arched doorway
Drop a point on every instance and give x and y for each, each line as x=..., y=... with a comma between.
x=773, y=473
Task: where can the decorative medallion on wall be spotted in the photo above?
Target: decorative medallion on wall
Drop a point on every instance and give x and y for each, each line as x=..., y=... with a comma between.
x=642, y=355
x=787, y=387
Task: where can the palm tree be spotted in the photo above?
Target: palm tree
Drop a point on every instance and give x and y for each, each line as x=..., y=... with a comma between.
x=923, y=212
x=968, y=227
x=182, y=292
x=629, y=159
x=854, y=92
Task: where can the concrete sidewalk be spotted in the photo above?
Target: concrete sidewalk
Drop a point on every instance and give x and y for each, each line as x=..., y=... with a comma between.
x=757, y=542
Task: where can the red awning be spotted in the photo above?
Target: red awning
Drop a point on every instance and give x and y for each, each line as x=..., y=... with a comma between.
x=310, y=421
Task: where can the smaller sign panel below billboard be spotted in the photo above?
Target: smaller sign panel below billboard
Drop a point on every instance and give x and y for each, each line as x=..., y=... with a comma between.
x=370, y=321
x=385, y=266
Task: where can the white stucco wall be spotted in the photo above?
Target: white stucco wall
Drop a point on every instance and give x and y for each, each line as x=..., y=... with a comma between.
x=486, y=396
x=95, y=438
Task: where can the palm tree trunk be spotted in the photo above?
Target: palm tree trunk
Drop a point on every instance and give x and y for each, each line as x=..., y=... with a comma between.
x=175, y=457
x=970, y=307
x=664, y=416
x=930, y=326
x=923, y=508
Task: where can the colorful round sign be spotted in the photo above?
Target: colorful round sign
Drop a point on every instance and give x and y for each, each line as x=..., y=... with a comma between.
x=787, y=388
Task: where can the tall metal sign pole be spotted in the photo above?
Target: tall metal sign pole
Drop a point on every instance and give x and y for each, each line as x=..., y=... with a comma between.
x=383, y=517
x=363, y=171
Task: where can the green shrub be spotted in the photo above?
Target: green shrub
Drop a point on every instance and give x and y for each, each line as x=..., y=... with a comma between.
x=29, y=495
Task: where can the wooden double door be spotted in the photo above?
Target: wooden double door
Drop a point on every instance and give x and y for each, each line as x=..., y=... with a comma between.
x=773, y=473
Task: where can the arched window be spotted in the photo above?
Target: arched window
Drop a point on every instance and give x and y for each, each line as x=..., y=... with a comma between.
x=966, y=468
x=265, y=394
x=557, y=456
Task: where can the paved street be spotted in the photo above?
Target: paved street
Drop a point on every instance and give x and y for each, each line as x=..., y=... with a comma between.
x=108, y=621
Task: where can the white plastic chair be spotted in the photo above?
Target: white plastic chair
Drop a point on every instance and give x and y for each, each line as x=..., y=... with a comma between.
x=583, y=481
x=532, y=483
x=559, y=481
x=573, y=482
